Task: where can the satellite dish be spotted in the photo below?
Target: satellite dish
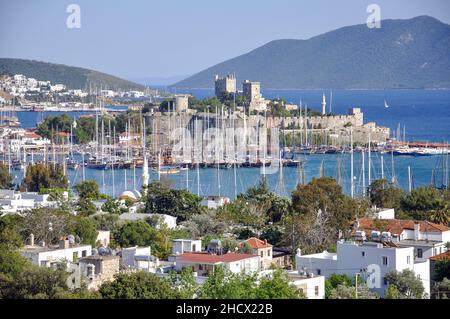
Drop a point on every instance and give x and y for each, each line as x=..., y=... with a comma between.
x=102, y=251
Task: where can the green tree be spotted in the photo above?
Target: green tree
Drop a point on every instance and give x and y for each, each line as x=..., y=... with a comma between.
x=39, y=176
x=111, y=206
x=52, y=124
x=442, y=270
x=334, y=281
x=10, y=231
x=204, y=225
x=407, y=284
x=105, y=221
x=273, y=235
x=88, y=190
x=441, y=290
x=86, y=207
x=86, y=229
x=222, y=284
x=140, y=285
x=137, y=233
x=46, y=224
x=392, y=293
x=421, y=201
x=5, y=177
x=174, y=202
x=11, y=261
x=384, y=194
x=277, y=287
x=440, y=215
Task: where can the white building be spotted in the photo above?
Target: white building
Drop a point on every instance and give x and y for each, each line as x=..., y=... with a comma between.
x=382, y=213
x=203, y=263
x=312, y=286
x=51, y=256
x=213, y=202
x=139, y=258
x=428, y=239
x=180, y=246
x=103, y=237
x=261, y=248
x=371, y=261
x=14, y=202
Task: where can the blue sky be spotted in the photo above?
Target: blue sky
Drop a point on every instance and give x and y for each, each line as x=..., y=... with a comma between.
x=163, y=38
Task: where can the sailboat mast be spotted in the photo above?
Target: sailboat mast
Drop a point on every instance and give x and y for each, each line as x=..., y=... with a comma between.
x=409, y=179
x=352, y=180
x=363, y=168
x=370, y=163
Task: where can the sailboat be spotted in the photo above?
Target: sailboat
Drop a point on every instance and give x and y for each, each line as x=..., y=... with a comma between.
x=385, y=104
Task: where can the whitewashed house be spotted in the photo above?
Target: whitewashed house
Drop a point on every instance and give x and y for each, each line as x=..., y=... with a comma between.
x=203, y=263
x=261, y=248
x=51, y=256
x=428, y=239
x=372, y=261
x=180, y=246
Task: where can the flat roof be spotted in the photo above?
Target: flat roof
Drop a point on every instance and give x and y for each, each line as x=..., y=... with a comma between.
x=206, y=258
x=40, y=249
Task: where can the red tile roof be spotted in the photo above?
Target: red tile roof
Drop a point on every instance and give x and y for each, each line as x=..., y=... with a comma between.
x=32, y=135
x=205, y=258
x=396, y=226
x=443, y=256
x=256, y=243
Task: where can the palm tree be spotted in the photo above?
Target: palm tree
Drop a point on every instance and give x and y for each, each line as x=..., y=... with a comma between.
x=440, y=215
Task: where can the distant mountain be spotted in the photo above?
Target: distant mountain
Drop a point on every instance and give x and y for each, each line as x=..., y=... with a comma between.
x=72, y=77
x=413, y=53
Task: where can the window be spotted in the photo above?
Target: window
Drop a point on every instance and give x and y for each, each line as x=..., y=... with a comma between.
x=75, y=256
x=43, y=263
x=262, y=253
x=384, y=260
x=83, y=253
x=318, y=272
x=408, y=259
x=200, y=267
x=194, y=247
x=363, y=254
x=385, y=282
x=316, y=290
x=268, y=253
x=419, y=253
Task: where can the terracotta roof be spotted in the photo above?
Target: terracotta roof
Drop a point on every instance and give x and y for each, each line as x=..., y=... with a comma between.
x=443, y=256
x=256, y=243
x=396, y=226
x=32, y=135
x=205, y=258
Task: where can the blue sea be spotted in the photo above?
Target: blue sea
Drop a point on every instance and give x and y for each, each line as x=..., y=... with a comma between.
x=424, y=114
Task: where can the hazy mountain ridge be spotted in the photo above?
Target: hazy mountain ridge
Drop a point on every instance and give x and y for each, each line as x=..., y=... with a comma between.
x=72, y=77
x=412, y=53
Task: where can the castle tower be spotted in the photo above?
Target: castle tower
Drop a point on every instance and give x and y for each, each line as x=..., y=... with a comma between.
x=324, y=104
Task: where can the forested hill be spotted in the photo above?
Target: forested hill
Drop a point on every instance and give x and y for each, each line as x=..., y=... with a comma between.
x=72, y=77
x=412, y=53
